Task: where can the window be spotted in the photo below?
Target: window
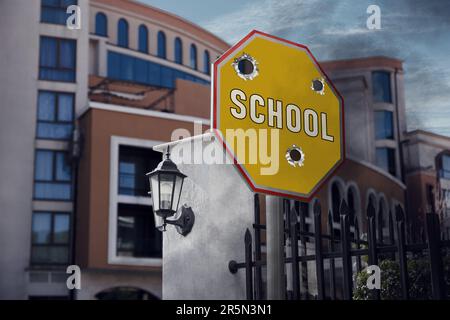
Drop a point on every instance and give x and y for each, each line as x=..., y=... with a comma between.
x=122, y=33
x=161, y=45
x=178, y=51
x=384, y=125
x=385, y=159
x=101, y=24
x=127, y=68
x=351, y=199
x=57, y=59
x=136, y=232
x=55, y=115
x=52, y=176
x=193, y=56
x=54, y=11
x=336, y=199
x=134, y=163
x=206, y=62
x=445, y=166
x=50, y=238
x=381, y=86
x=143, y=39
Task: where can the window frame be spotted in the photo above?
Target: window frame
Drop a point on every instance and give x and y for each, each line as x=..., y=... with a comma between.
x=58, y=59
x=52, y=242
x=54, y=171
x=115, y=199
x=56, y=107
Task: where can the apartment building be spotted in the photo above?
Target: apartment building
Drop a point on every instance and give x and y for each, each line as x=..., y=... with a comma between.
x=127, y=63
x=427, y=171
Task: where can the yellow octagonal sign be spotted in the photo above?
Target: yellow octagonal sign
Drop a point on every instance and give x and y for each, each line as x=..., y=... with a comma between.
x=278, y=115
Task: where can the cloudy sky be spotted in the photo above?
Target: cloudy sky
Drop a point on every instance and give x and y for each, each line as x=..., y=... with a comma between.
x=415, y=31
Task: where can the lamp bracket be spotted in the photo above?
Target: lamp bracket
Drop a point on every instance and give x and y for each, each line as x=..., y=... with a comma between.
x=185, y=221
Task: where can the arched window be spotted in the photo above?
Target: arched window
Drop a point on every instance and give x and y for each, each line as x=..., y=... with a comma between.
x=161, y=45
x=336, y=199
x=143, y=39
x=206, y=62
x=101, y=24
x=193, y=56
x=122, y=33
x=178, y=51
x=351, y=201
x=382, y=219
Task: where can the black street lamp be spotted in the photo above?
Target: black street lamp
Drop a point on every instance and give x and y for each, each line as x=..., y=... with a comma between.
x=166, y=183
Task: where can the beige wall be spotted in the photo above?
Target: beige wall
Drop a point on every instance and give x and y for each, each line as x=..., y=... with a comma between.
x=94, y=176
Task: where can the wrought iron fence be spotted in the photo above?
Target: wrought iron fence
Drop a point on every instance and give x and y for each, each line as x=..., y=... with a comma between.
x=331, y=261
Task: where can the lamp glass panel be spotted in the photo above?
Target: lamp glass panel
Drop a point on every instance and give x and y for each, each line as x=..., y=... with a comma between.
x=177, y=192
x=166, y=191
x=154, y=184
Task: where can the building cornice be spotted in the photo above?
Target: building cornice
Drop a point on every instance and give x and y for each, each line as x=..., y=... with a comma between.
x=142, y=112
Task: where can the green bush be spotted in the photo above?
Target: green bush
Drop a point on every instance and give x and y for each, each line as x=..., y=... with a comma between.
x=419, y=277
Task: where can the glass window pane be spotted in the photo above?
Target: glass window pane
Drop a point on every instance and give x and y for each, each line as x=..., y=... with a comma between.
x=125, y=235
x=63, y=169
x=161, y=45
x=206, y=62
x=143, y=39
x=54, y=131
x=52, y=191
x=193, y=56
x=446, y=166
x=166, y=190
x=155, y=195
x=381, y=85
x=385, y=159
x=41, y=228
x=67, y=54
x=101, y=24
x=65, y=107
x=50, y=254
x=177, y=193
x=46, y=106
x=122, y=33
x=136, y=233
x=48, y=52
x=61, y=228
x=44, y=165
x=384, y=126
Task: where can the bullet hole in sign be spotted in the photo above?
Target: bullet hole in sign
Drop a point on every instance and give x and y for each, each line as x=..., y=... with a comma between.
x=245, y=66
x=295, y=156
x=318, y=86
